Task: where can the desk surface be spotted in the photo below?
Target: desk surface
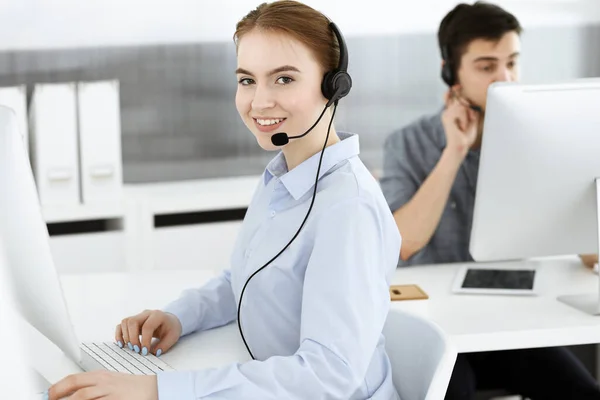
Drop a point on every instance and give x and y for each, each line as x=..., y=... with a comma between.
x=489, y=322
x=97, y=302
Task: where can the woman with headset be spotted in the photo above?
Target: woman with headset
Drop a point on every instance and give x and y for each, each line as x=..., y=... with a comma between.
x=310, y=272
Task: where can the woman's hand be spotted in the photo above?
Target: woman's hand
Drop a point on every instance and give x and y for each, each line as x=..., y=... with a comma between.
x=149, y=324
x=105, y=385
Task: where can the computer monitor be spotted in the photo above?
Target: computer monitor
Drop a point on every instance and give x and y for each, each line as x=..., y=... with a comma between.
x=32, y=275
x=538, y=185
x=16, y=378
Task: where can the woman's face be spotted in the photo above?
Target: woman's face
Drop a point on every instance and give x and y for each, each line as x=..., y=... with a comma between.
x=279, y=85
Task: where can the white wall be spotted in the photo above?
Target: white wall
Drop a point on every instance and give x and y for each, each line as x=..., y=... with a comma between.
x=34, y=24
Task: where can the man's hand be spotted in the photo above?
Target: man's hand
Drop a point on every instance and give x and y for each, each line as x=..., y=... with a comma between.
x=589, y=259
x=105, y=385
x=460, y=125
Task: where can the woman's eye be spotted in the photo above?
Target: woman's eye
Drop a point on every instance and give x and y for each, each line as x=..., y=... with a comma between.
x=245, y=81
x=285, y=80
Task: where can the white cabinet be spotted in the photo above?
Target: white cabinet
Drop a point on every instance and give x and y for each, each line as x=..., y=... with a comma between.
x=200, y=246
x=54, y=150
x=205, y=245
x=88, y=252
x=100, y=142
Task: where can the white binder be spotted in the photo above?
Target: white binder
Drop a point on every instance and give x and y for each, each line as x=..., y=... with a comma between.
x=15, y=98
x=54, y=149
x=100, y=142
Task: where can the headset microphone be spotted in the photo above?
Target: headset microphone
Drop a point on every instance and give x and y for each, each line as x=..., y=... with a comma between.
x=475, y=108
x=282, y=138
x=468, y=104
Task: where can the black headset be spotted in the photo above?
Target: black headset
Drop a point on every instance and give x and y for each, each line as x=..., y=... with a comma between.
x=335, y=85
x=448, y=68
x=449, y=75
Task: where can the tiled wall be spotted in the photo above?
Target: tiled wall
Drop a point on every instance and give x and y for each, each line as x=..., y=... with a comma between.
x=177, y=101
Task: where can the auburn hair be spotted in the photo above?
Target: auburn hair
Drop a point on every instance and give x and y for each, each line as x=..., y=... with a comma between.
x=300, y=22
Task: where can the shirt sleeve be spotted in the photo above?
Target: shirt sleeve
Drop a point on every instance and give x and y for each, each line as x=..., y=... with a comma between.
x=344, y=306
x=399, y=181
x=207, y=307
x=211, y=305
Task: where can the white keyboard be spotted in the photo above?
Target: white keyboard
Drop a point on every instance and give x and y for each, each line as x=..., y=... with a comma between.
x=113, y=358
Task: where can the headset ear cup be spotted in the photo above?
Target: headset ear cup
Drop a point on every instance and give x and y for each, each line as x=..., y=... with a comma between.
x=334, y=80
x=342, y=80
x=327, y=85
x=447, y=75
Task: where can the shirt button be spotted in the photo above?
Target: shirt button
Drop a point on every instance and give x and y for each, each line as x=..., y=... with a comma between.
x=453, y=204
x=273, y=214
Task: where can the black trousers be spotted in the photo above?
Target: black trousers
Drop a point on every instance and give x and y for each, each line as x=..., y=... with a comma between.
x=538, y=374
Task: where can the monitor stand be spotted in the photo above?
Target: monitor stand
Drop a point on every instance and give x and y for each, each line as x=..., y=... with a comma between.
x=588, y=303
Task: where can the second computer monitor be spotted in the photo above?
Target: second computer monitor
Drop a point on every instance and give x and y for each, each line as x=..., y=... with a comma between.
x=540, y=157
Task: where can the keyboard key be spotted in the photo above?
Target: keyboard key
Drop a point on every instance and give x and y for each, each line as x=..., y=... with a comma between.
x=113, y=358
x=119, y=364
x=124, y=358
x=144, y=360
x=159, y=363
x=154, y=360
x=98, y=358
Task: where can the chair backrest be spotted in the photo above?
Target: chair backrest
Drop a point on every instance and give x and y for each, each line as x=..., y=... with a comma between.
x=422, y=358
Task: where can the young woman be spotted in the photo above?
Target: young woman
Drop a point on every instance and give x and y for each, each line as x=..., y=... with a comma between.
x=311, y=302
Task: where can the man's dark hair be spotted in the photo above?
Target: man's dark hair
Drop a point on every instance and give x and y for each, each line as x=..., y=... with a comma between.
x=467, y=22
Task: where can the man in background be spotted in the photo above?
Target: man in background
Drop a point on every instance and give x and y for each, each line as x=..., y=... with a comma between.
x=429, y=180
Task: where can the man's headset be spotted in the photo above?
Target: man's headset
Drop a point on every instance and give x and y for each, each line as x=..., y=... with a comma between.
x=449, y=74
x=335, y=85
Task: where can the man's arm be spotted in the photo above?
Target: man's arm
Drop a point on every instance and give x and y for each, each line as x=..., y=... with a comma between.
x=418, y=219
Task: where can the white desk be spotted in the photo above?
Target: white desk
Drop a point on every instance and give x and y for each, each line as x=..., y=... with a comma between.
x=485, y=322
x=98, y=302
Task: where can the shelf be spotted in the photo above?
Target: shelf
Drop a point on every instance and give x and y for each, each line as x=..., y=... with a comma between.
x=83, y=212
x=194, y=195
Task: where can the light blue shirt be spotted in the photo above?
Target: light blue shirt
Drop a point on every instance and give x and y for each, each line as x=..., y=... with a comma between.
x=314, y=317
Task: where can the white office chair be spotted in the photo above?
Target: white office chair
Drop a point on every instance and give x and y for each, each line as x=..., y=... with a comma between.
x=422, y=357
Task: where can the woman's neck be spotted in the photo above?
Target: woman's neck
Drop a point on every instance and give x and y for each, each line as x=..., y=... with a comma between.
x=298, y=151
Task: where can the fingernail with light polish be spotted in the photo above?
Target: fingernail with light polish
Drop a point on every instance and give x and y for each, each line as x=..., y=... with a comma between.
x=45, y=397
x=136, y=348
x=144, y=351
x=130, y=346
x=158, y=353
x=120, y=344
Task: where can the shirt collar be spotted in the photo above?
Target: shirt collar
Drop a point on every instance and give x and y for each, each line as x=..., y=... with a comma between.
x=301, y=179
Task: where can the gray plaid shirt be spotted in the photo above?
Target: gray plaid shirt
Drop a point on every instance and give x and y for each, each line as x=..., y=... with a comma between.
x=409, y=156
